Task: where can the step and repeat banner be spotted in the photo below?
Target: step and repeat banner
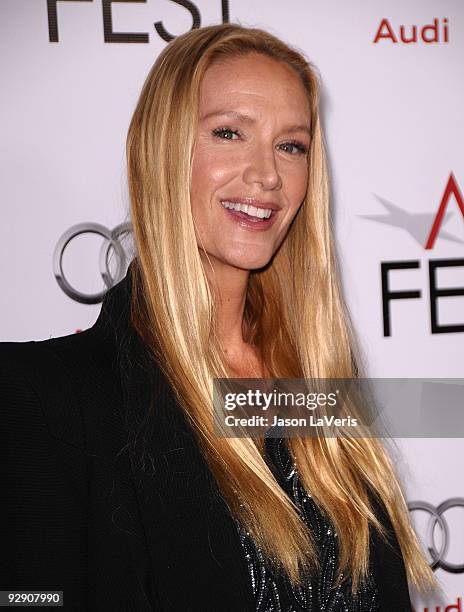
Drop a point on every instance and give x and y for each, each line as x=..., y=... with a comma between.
x=392, y=100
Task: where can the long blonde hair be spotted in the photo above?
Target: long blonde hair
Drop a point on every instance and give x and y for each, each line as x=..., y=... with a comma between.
x=294, y=309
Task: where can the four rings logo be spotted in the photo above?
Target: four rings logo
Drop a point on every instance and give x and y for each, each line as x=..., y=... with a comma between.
x=110, y=243
x=437, y=519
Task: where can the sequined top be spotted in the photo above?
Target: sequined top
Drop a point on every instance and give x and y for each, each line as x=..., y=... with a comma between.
x=275, y=593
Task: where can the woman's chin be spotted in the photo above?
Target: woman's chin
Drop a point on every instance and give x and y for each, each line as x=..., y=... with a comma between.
x=248, y=263
x=240, y=260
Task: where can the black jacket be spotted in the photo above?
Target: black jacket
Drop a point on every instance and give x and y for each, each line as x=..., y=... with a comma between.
x=85, y=511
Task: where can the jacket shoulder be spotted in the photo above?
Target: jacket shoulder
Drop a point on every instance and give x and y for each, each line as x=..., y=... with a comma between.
x=43, y=479
x=25, y=355
x=40, y=380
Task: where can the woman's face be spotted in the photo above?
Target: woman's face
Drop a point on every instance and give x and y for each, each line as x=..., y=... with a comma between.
x=251, y=148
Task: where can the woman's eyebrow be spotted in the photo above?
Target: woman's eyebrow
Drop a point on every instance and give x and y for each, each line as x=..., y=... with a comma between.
x=302, y=127
x=230, y=113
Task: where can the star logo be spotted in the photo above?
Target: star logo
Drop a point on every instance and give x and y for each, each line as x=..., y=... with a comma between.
x=422, y=227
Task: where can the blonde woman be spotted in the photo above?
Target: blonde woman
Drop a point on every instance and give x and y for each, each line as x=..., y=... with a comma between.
x=116, y=490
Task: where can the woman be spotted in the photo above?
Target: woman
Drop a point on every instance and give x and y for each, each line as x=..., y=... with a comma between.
x=112, y=469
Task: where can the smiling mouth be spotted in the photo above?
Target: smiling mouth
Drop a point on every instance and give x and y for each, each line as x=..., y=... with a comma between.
x=248, y=217
x=250, y=211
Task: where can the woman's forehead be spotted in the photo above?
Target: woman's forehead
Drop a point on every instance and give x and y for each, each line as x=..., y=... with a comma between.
x=250, y=81
x=252, y=68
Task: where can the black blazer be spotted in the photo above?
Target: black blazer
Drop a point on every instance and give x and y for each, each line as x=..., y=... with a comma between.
x=86, y=511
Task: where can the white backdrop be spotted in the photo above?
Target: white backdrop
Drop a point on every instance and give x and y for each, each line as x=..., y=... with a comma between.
x=393, y=122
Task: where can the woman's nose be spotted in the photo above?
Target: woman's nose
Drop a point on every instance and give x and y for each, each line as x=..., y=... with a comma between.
x=262, y=168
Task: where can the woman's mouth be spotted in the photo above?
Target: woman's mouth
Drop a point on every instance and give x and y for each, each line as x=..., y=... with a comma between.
x=248, y=216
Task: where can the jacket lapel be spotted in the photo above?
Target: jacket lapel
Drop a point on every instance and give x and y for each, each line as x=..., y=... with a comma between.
x=195, y=553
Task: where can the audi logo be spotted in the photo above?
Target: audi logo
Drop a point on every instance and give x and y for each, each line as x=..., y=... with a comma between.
x=111, y=242
x=437, y=519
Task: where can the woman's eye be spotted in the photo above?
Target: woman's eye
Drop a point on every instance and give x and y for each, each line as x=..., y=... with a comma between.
x=300, y=148
x=224, y=133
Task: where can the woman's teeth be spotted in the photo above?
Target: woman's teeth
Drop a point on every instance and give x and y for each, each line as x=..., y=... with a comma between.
x=262, y=213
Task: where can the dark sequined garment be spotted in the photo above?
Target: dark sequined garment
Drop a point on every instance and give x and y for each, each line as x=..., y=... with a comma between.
x=275, y=593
